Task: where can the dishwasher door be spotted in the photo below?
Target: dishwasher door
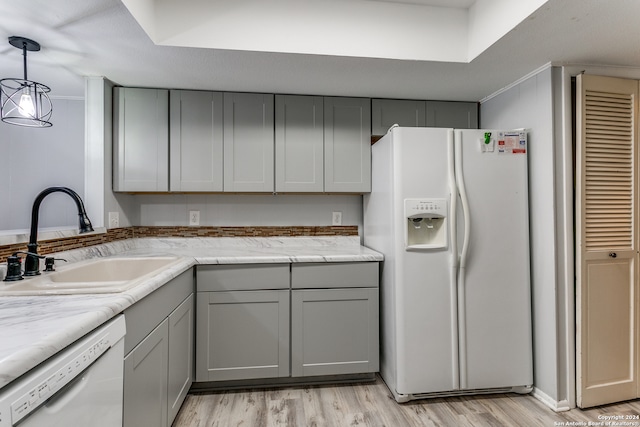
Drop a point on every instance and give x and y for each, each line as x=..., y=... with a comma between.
x=80, y=386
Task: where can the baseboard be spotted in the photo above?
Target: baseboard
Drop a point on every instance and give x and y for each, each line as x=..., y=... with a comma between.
x=212, y=386
x=557, y=406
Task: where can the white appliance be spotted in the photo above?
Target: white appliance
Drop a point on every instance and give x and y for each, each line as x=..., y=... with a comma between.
x=80, y=386
x=449, y=211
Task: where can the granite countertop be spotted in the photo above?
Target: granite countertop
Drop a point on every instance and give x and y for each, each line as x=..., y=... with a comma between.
x=34, y=328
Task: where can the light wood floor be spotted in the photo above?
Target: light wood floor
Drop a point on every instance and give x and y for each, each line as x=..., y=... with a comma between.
x=371, y=404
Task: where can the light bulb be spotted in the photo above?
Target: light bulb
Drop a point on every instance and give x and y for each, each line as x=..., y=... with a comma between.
x=26, y=107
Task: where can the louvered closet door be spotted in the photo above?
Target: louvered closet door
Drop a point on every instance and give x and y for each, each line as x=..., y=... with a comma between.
x=606, y=220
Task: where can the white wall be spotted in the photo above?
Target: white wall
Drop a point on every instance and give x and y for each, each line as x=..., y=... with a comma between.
x=530, y=104
x=33, y=159
x=248, y=210
x=100, y=199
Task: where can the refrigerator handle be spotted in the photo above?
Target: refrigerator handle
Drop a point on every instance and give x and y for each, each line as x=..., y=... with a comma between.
x=462, y=322
x=453, y=202
x=453, y=212
x=463, y=198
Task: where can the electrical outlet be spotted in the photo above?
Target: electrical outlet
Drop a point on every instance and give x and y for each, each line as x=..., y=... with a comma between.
x=194, y=217
x=114, y=219
x=336, y=218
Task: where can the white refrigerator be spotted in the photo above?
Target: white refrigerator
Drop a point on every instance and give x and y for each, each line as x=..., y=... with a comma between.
x=449, y=211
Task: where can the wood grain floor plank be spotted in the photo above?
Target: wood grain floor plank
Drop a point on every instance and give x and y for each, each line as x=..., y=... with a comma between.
x=372, y=405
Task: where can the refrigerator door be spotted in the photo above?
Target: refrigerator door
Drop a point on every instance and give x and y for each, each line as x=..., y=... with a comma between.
x=424, y=279
x=494, y=280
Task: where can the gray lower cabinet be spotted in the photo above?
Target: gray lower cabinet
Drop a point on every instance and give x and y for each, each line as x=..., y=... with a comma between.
x=334, y=331
x=242, y=335
x=145, y=387
x=159, y=352
x=334, y=318
x=279, y=320
x=181, y=355
x=242, y=321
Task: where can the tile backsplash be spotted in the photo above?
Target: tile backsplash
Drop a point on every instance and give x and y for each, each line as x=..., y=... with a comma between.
x=115, y=234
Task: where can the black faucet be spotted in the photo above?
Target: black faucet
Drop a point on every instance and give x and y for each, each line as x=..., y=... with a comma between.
x=32, y=264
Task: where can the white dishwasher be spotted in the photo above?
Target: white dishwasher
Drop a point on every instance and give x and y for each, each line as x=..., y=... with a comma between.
x=80, y=386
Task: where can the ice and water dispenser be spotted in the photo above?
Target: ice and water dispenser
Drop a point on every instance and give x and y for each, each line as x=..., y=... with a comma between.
x=426, y=223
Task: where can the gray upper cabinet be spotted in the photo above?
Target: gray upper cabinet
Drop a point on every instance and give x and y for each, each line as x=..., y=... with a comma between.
x=403, y=112
x=248, y=142
x=299, y=143
x=141, y=139
x=459, y=115
x=196, y=134
x=198, y=141
x=347, y=145
x=442, y=114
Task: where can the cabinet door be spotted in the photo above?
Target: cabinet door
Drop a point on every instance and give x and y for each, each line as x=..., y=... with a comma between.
x=334, y=331
x=347, y=145
x=141, y=139
x=145, y=381
x=196, y=141
x=181, y=351
x=459, y=115
x=299, y=143
x=242, y=335
x=403, y=112
x=248, y=142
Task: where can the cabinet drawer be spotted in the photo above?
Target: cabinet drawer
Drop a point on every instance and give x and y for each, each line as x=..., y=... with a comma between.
x=334, y=275
x=242, y=277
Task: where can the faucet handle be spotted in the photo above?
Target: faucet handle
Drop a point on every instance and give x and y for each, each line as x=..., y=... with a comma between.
x=49, y=263
x=14, y=269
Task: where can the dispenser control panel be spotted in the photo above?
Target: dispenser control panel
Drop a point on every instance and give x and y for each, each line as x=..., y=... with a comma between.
x=425, y=224
x=422, y=207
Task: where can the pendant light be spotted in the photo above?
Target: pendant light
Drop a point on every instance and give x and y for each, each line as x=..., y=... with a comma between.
x=24, y=102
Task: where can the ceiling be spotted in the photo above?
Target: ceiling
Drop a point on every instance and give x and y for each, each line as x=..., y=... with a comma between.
x=102, y=38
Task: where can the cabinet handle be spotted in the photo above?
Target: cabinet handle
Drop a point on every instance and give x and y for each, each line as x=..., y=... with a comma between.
x=613, y=254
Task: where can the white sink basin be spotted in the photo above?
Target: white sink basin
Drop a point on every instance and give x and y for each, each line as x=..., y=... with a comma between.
x=102, y=275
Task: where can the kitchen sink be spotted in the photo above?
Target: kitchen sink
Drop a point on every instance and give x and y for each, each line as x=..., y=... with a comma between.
x=102, y=275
